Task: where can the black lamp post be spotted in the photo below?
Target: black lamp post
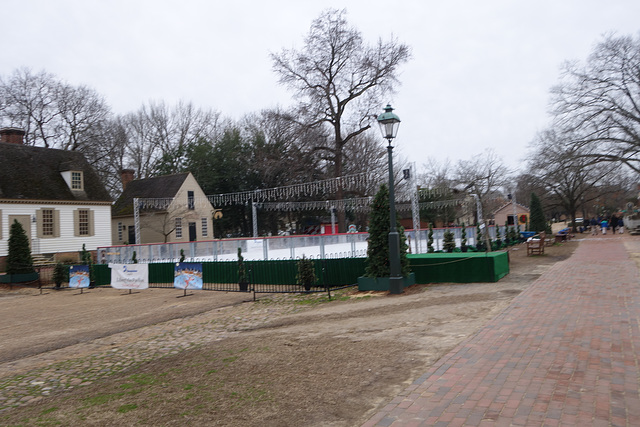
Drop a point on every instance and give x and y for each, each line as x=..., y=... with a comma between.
x=389, y=124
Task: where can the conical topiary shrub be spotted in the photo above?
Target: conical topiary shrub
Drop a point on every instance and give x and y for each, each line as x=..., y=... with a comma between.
x=19, y=260
x=378, y=245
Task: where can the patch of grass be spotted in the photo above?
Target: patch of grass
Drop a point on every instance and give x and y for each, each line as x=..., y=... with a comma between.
x=101, y=399
x=143, y=379
x=49, y=410
x=188, y=387
x=126, y=408
x=230, y=359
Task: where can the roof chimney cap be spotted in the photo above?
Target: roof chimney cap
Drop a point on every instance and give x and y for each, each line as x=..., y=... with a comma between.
x=12, y=135
x=126, y=176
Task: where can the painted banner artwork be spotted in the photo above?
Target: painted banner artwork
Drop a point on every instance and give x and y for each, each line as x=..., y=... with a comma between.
x=79, y=276
x=129, y=276
x=188, y=275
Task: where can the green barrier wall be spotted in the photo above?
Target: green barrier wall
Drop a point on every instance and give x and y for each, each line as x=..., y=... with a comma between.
x=337, y=272
x=460, y=267
x=429, y=268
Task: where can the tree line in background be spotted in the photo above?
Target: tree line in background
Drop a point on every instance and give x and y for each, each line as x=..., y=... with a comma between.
x=585, y=163
x=338, y=80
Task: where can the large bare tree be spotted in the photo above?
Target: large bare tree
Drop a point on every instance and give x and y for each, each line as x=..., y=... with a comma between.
x=599, y=102
x=484, y=175
x=570, y=180
x=340, y=82
x=53, y=113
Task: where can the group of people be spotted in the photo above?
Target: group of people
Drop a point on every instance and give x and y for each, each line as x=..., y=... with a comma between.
x=603, y=224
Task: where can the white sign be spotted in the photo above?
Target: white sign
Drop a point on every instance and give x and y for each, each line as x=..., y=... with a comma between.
x=129, y=276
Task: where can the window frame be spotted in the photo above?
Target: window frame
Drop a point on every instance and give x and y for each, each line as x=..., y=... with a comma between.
x=178, y=228
x=77, y=180
x=205, y=226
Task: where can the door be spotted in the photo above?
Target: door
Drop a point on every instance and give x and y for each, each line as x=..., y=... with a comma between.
x=192, y=232
x=132, y=235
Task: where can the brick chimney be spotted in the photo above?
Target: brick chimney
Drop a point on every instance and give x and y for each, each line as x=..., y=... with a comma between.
x=126, y=176
x=12, y=135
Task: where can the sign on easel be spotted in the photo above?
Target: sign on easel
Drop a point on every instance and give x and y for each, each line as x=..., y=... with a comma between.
x=79, y=276
x=188, y=275
x=129, y=276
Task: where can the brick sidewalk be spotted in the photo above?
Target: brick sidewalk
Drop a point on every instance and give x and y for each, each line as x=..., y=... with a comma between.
x=564, y=353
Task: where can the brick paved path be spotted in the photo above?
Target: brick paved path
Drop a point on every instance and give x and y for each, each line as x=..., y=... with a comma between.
x=564, y=353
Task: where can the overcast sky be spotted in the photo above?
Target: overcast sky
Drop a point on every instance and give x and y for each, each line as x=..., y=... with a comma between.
x=479, y=77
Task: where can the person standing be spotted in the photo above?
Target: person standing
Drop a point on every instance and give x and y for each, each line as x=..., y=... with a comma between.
x=594, y=226
x=603, y=225
x=613, y=223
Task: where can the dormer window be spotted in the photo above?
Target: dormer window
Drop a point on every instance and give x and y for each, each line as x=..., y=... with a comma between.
x=77, y=183
x=74, y=179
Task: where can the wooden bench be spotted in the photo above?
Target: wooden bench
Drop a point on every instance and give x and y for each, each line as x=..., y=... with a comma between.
x=535, y=246
x=563, y=235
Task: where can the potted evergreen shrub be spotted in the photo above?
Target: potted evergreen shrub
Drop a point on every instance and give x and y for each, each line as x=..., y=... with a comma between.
x=243, y=281
x=430, y=240
x=60, y=274
x=19, y=260
x=480, y=245
x=378, y=270
x=306, y=276
x=87, y=259
x=449, y=243
x=463, y=240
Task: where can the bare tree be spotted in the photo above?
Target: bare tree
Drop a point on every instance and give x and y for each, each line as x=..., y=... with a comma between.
x=567, y=176
x=158, y=135
x=53, y=114
x=599, y=103
x=484, y=175
x=340, y=82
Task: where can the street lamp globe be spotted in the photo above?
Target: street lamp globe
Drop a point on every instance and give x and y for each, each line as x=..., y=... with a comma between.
x=389, y=123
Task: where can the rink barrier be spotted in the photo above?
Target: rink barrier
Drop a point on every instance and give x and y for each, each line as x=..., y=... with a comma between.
x=264, y=276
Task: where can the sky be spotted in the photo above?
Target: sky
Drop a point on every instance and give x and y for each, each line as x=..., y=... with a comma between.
x=479, y=77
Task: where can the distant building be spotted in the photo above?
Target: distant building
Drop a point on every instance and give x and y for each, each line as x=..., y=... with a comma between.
x=177, y=210
x=56, y=196
x=505, y=213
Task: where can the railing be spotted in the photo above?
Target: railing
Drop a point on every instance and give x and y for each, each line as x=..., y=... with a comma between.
x=348, y=245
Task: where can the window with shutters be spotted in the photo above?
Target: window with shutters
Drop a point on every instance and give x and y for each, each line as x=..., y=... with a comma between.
x=83, y=222
x=48, y=225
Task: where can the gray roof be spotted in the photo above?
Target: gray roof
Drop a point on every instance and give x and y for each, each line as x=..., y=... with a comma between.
x=159, y=187
x=33, y=173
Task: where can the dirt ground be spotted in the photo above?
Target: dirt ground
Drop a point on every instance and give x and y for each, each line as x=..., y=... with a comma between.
x=284, y=360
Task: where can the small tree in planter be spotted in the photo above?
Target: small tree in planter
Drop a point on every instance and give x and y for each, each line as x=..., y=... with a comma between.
x=60, y=274
x=378, y=246
x=449, y=243
x=243, y=281
x=537, y=221
x=306, y=273
x=378, y=265
x=430, y=240
x=19, y=260
x=498, y=242
x=513, y=235
x=463, y=240
x=134, y=258
x=87, y=259
x=480, y=245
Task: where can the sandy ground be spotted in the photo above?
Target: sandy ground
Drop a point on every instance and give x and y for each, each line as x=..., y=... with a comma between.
x=331, y=364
